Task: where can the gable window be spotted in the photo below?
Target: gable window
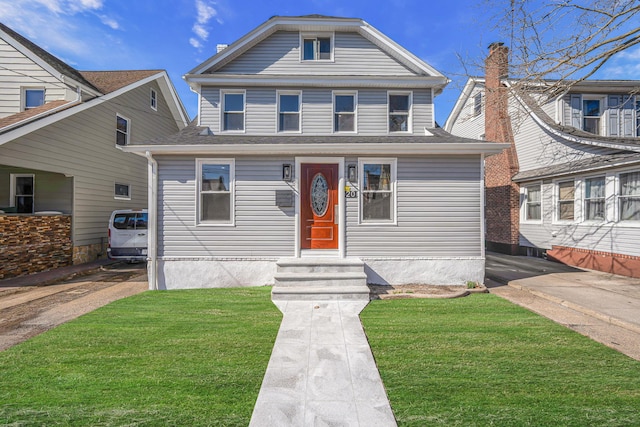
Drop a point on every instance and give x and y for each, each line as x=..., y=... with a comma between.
x=33, y=98
x=233, y=111
x=399, y=109
x=316, y=48
x=629, y=197
x=344, y=112
x=566, y=200
x=477, y=104
x=122, y=130
x=154, y=100
x=594, y=198
x=377, y=198
x=289, y=112
x=122, y=191
x=215, y=191
x=22, y=192
x=533, y=203
x=591, y=115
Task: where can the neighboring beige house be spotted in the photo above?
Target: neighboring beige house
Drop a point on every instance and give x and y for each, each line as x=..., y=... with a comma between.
x=315, y=162
x=62, y=171
x=569, y=185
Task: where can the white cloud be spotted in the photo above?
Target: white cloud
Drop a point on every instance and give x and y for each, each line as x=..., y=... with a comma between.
x=205, y=11
x=110, y=22
x=200, y=31
x=195, y=43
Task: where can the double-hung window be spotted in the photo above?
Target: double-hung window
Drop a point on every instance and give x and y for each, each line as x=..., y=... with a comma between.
x=33, y=98
x=566, y=200
x=477, y=104
x=233, y=105
x=533, y=203
x=594, y=199
x=289, y=111
x=629, y=196
x=399, y=112
x=316, y=48
x=591, y=115
x=22, y=192
x=378, y=187
x=344, y=112
x=153, y=100
x=215, y=191
x=122, y=130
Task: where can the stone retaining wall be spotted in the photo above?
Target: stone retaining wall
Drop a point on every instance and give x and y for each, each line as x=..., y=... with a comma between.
x=34, y=243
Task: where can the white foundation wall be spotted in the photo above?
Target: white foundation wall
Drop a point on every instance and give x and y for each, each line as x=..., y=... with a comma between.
x=225, y=273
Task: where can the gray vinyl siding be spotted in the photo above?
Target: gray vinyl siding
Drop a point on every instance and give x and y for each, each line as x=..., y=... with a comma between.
x=438, y=210
x=317, y=110
x=19, y=72
x=280, y=54
x=466, y=124
x=83, y=146
x=261, y=228
x=611, y=236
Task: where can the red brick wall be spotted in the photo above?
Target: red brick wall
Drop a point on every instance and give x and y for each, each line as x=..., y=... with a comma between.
x=34, y=243
x=625, y=265
x=502, y=196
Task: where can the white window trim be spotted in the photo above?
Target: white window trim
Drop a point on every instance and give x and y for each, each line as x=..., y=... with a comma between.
x=224, y=92
x=624, y=223
x=524, y=194
x=410, y=114
x=289, y=92
x=12, y=188
x=117, y=197
x=354, y=93
x=473, y=105
x=603, y=108
x=315, y=35
x=128, y=133
x=232, y=185
x=153, y=99
x=583, y=200
x=23, y=96
x=556, y=201
x=394, y=189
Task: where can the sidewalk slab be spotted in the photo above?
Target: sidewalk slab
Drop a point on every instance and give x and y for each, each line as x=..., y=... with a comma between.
x=321, y=370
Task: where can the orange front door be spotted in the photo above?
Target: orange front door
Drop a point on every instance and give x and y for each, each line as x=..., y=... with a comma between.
x=318, y=202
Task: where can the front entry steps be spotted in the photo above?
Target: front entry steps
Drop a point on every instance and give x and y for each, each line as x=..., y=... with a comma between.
x=320, y=279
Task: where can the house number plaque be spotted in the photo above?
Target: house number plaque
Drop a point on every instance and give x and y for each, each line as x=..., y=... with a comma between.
x=350, y=192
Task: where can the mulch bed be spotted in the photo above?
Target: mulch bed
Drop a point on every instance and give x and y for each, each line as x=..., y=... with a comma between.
x=423, y=291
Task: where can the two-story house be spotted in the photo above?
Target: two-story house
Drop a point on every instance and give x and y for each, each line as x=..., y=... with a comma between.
x=61, y=171
x=315, y=151
x=570, y=182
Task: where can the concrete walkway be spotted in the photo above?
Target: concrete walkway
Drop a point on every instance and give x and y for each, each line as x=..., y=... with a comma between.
x=322, y=371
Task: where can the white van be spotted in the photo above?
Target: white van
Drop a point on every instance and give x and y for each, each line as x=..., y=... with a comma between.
x=128, y=235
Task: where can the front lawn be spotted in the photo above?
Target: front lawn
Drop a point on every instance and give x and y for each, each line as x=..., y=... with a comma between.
x=181, y=358
x=481, y=361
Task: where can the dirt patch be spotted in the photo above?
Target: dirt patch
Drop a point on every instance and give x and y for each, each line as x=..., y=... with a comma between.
x=422, y=291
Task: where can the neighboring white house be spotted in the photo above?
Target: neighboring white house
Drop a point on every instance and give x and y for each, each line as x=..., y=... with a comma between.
x=578, y=168
x=316, y=141
x=61, y=171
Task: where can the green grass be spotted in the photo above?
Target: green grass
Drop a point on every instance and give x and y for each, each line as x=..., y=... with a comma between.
x=482, y=361
x=183, y=358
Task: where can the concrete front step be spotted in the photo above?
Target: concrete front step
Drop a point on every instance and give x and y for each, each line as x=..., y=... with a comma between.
x=320, y=265
x=320, y=293
x=338, y=279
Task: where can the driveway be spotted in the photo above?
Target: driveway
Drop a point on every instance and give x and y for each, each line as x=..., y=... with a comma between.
x=30, y=309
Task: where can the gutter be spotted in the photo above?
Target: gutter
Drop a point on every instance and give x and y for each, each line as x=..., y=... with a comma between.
x=152, y=191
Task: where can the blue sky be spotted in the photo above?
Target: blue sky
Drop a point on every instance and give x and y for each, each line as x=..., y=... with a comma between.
x=177, y=35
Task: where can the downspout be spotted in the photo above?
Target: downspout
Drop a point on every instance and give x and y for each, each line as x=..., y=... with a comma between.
x=152, y=191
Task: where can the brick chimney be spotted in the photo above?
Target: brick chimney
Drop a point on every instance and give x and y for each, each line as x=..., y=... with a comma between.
x=502, y=195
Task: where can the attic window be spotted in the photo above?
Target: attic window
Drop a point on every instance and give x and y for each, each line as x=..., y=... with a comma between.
x=154, y=100
x=33, y=98
x=316, y=48
x=477, y=104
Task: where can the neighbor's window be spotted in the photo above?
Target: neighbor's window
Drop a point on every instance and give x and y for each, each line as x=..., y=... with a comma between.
x=289, y=112
x=377, y=201
x=122, y=191
x=533, y=203
x=399, y=107
x=154, y=100
x=591, y=112
x=122, y=130
x=22, y=189
x=344, y=112
x=33, y=98
x=316, y=48
x=566, y=200
x=477, y=104
x=233, y=111
x=215, y=188
x=594, y=199
x=629, y=198
x=637, y=116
